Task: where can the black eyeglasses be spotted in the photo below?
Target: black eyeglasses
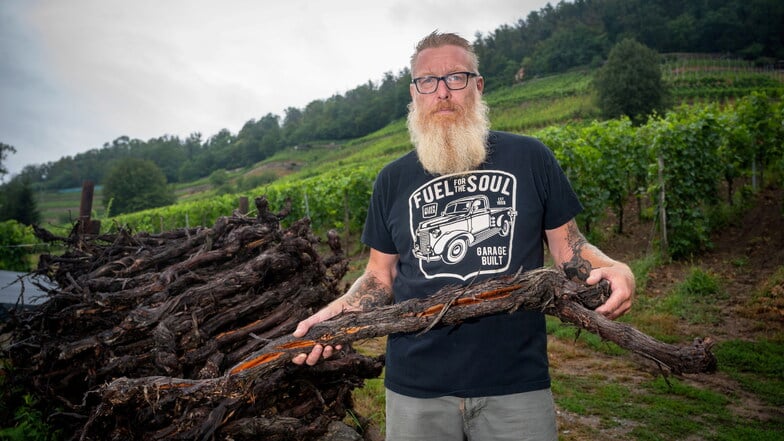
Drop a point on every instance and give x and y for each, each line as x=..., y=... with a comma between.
x=453, y=81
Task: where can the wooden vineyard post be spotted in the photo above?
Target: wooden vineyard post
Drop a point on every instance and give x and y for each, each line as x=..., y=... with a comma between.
x=346, y=221
x=86, y=225
x=662, y=206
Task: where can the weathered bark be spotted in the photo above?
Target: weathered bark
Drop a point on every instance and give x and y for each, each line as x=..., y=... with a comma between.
x=186, y=304
x=689, y=359
x=546, y=290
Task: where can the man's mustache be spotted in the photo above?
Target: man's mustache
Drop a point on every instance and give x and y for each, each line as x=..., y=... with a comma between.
x=446, y=106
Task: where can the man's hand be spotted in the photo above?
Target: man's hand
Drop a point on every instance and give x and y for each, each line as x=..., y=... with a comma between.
x=318, y=351
x=372, y=289
x=622, y=287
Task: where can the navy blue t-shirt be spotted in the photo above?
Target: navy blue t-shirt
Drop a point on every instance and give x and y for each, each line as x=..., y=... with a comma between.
x=455, y=229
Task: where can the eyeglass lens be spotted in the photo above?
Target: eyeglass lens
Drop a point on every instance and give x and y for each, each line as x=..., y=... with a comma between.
x=453, y=81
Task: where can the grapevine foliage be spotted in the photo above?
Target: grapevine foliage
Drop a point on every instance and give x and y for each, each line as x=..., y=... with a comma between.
x=609, y=163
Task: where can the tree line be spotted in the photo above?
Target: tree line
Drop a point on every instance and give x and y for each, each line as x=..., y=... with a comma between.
x=551, y=40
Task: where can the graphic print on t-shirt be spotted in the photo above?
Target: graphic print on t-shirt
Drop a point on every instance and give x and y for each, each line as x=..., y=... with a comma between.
x=463, y=225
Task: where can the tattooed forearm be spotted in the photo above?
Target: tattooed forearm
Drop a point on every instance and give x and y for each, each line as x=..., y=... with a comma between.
x=584, y=256
x=368, y=292
x=577, y=267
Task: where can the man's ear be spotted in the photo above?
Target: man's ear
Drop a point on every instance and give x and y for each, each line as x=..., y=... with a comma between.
x=480, y=84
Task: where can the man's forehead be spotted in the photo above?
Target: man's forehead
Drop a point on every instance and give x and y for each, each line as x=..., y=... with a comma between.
x=442, y=59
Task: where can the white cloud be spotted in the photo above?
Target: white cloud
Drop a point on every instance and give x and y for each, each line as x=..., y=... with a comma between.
x=84, y=72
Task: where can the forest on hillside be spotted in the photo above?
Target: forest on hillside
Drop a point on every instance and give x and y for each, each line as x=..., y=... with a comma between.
x=551, y=40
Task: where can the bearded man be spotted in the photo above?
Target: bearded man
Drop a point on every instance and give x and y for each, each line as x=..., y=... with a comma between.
x=467, y=204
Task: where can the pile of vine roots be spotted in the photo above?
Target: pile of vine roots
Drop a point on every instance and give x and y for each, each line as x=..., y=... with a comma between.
x=185, y=304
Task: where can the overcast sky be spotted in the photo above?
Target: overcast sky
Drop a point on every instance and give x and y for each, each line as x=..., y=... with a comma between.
x=77, y=74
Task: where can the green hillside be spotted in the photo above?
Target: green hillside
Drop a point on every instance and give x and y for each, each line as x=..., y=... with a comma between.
x=540, y=102
x=526, y=107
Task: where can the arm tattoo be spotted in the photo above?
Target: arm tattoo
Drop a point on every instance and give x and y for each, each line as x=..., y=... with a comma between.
x=578, y=267
x=367, y=293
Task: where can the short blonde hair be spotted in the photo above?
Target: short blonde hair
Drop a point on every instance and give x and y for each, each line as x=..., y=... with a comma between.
x=438, y=39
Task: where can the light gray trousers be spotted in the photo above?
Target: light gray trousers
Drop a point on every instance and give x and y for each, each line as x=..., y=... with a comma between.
x=526, y=416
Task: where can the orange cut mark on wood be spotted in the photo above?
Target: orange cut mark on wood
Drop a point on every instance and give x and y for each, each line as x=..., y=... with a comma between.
x=256, y=243
x=496, y=294
x=433, y=310
x=468, y=301
x=499, y=293
x=266, y=358
x=354, y=329
x=234, y=331
x=298, y=344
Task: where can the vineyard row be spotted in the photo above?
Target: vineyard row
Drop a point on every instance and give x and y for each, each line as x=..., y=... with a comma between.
x=676, y=164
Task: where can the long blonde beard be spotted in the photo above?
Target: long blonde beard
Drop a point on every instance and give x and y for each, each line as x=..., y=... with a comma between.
x=450, y=144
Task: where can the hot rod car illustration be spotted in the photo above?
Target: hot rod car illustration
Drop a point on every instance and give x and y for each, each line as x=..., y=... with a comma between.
x=464, y=223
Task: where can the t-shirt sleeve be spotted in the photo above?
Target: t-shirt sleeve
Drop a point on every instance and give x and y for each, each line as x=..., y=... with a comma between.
x=562, y=203
x=376, y=233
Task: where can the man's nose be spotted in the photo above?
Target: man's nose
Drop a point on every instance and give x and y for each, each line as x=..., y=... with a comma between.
x=442, y=91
